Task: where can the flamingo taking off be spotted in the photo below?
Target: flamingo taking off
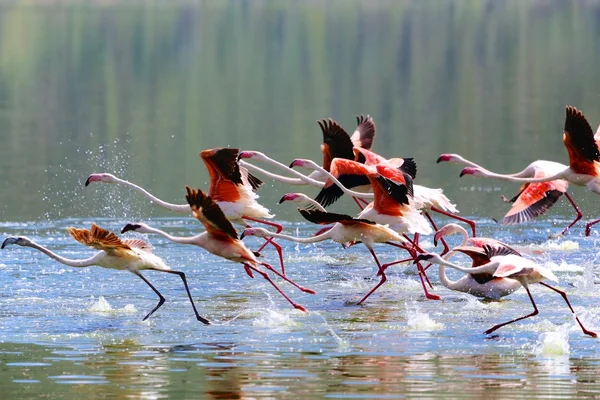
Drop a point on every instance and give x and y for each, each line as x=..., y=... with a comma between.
x=533, y=199
x=584, y=158
x=232, y=187
x=505, y=264
x=220, y=239
x=132, y=255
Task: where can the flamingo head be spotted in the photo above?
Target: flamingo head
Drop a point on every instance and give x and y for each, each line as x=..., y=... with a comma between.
x=448, y=157
x=295, y=197
x=471, y=171
x=260, y=232
x=429, y=257
x=446, y=230
x=248, y=154
x=102, y=177
x=137, y=227
x=302, y=163
x=18, y=240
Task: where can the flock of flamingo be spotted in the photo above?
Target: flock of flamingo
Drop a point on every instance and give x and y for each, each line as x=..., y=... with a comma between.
x=394, y=211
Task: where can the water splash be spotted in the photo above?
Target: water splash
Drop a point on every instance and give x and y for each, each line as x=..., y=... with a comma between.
x=420, y=321
x=563, y=266
x=102, y=306
x=275, y=321
x=554, y=343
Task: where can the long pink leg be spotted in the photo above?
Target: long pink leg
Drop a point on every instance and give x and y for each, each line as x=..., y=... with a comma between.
x=422, y=273
x=564, y=296
x=421, y=269
x=435, y=228
x=535, y=312
x=285, y=278
x=356, y=199
x=264, y=275
x=447, y=214
x=381, y=281
x=278, y=228
x=577, y=218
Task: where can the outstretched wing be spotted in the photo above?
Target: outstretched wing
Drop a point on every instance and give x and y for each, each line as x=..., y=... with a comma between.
x=578, y=138
x=209, y=213
x=222, y=162
x=98, y=238
x=350, y=174
x=534, y=199
x=138, y=244
x=336, y=142
x=324, y=218
x=365, y=132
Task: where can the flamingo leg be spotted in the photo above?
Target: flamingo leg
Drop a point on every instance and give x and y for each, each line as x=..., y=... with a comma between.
x=381, y=281
x=187, y=289
x=161, y=300
x=535, y=312
x=435, y=228
x=421, y=269
x=264, y=275
x=278, y=228
x=285, y=278
x=577, y=218
x=447, y=214
x=356, y=199
x=564, y=296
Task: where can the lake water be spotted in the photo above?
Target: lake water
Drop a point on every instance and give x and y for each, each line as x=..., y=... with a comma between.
x=140, y=89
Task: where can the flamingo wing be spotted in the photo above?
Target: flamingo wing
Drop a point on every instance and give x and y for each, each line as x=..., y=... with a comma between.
x=325, y=218
x=397, y=175
x=365, y=131
x=209, y=214
x=250, y=180
x=138, y=244
x=534, y=199
x=98, y=238
x=499, y=250
x=406, y=165
x=350, y=174
x=479, y=257
x=579, y=140
x=336, y=142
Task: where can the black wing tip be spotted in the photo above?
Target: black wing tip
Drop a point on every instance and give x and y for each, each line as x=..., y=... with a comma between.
x=409, y=166
x=328, y=196
x=533, y=211
x=255, y=182
x=323, y=217
x=130, y=227
x=499, y=250
x=398, y=191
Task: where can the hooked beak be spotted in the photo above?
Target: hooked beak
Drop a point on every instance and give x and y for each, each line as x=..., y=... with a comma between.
x=243, y=235
x=87, y=181
x=130, y=227
x=462, y=173
x=245, y=154
x=282, y=200
x=294, y=163
x=7, y=241
x=422, y=257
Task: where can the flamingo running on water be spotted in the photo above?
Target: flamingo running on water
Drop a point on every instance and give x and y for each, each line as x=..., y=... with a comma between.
x=345, y=230
x=132, y=255
x=584, y=158
x=231, y=185
x=425, y=198
x=533, y=199
x=220, y=239
x=505, y=264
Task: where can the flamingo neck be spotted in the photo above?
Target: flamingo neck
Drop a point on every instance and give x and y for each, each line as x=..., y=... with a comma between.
x=176, y=239
x=67, y=261
x=313, y=239
x=301, y=180
x=519, y=177
x=183, y=208
x=488, y=268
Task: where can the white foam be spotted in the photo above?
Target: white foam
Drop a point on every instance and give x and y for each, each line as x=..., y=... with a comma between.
x=559, y=245
x=563, y=267
x=275, y=320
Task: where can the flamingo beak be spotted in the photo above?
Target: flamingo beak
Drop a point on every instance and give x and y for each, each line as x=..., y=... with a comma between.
x=9, y=240
x=245, y=154
x=89, y=180
x=442, y=158
x=295, y=163
x=284, y=198
x=130, y=227
x=463, y=173
x=243, y=235
x=422, y=257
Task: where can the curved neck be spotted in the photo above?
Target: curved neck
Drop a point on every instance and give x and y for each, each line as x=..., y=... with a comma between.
x=300, y=179
x=176, y=239
x=447, y=282
x=67, y=261
x=184, y=208
x=317, y=167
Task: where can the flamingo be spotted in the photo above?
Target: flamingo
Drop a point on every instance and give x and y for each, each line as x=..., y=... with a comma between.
x=220, y=239
x=505, y=264
x=132, y=255
x=533, y=199
x=584, y=158
x=232, y=187
x=425, y=198
x=345, y=230
x=302, y=199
